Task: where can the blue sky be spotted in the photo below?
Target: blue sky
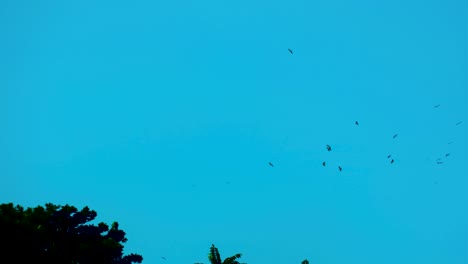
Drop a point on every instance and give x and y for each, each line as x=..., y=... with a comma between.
x=163, y=116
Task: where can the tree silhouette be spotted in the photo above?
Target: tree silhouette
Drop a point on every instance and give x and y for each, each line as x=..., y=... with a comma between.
x=59, y=234
x=215, y=257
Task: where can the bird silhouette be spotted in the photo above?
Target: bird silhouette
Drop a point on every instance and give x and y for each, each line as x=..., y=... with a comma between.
x=389, y=156
x=328, y=148
x=270, y=164
x=323, y=163
x=435, y=106
x=458, y=123
x=290, y=51
x=357, y=123
x=448, y=154
x=392, y=161
x=340, y=168
x=396, y=135
x=440, y=162
x=164, y=258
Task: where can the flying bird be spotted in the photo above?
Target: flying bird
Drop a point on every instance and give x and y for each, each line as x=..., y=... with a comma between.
x=396, y=135
x=290, y=51
x=328, y=148
x=324, y=163
x=389, y=156
x=340, y=168
x=440, y=162
x=450, y=143
x=435, y=106
x=357, y=123
x=448, y=154
x=458, y=123
x=392, y=161
x=270, y=164
x=164, y=258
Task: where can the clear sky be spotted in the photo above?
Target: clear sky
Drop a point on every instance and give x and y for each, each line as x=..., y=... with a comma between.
x=163, y=116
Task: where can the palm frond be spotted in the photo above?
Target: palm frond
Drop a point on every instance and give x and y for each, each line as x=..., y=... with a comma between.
x=214, y=256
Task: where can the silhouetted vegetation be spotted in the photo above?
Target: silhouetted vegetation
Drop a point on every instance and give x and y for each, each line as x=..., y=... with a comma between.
x=59, y=234
x=215, y=257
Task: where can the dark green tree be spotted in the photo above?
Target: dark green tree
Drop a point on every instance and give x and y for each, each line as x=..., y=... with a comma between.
x=59, y=235
x=215, y=257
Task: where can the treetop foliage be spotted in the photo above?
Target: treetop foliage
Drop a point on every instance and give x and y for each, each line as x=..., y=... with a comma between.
x=59, y=234
x=215, y=257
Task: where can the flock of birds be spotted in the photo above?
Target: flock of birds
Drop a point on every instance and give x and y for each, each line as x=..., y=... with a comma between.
x=329, y=148
x=439, y=160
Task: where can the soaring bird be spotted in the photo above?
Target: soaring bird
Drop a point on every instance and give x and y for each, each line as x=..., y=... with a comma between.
x=357, y=123
x=396, y=135
x=458, y=123
x=448, y=154
x=435, y=106
x=323, y=163
x=440, y=162
x=389, y=156
x=450, y=143
x=392, y=161
x=328, y=148
x=164, y=258
x=270, y=164
x=290, y=51
x=339, y=168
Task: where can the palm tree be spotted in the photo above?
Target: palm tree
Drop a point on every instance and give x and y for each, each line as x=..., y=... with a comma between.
x=215, y=258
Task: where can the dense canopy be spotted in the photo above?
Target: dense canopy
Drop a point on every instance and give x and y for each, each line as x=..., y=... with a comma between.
x=59, y=234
